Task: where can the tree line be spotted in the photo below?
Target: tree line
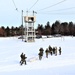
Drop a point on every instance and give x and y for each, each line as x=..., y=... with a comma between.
x=13, y=31
x=63, y=28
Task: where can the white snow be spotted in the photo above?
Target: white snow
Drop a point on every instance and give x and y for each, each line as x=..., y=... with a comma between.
x=12, y=47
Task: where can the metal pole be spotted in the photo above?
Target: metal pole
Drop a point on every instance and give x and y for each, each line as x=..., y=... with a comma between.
x=22, y=17
x=33, y=27
x=22, y=25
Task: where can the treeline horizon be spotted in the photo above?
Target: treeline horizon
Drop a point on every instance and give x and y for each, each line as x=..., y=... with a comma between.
x=63, y=28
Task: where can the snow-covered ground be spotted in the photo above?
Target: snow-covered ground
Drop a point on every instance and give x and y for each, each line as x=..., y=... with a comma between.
x=12, y=47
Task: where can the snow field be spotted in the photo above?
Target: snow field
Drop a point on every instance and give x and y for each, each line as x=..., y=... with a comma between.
x=11, y=48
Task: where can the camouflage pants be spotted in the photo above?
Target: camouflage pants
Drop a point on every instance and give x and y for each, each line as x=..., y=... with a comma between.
x=23, y=61
x=40, y=57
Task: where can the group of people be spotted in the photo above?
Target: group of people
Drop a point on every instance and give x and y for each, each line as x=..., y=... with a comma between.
x=49, y=50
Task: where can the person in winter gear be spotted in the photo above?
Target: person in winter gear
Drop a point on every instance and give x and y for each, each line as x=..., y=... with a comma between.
x=55, y=51
x=24, y=59
x=50, y=50
x=59, y=50
x=46, y=53
x=40, y=55
x=41, y=51
x=21, y=57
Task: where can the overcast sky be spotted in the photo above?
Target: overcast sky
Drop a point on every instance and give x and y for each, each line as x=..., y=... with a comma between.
x=47, y=10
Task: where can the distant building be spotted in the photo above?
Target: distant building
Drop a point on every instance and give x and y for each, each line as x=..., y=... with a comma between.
x=2, y=32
